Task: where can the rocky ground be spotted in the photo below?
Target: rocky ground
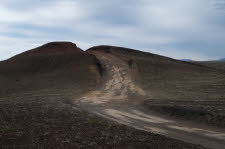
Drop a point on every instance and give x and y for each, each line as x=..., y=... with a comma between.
x=52, y=122
x=57, y=75
x=205, y=112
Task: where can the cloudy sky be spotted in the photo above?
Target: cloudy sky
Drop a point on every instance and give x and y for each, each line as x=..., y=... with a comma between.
x=193, y=29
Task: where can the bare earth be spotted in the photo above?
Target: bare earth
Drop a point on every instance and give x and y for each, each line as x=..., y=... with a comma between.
x=117, y=88
x=109, y=97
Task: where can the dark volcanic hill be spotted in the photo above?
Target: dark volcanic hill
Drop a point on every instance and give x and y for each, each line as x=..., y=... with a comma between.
x=141, y=74
x=166, y=78
x=184, y=90
x=52, y=48
x=48, y=96
x=53, y=65
x=63, y=63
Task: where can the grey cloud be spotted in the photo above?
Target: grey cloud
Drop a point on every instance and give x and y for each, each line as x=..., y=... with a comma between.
x=173, y=27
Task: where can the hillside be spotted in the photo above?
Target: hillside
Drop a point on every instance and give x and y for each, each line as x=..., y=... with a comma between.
x=220, y=65
x=63, y=94
x=180, y=89
x=166, y=78
x=50, y=67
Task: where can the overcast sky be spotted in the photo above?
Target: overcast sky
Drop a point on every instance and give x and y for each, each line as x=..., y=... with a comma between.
x=193, y=29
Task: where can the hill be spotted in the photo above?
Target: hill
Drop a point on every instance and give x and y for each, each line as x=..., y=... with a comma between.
x=219, y=65
x=48, y=67
x=62, y=94
x=181, y=89
x=154, y=73
x=187, y=60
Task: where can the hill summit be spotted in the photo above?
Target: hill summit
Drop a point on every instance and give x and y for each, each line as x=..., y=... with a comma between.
x=52, y=48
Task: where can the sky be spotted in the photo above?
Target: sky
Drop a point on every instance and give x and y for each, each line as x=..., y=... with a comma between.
x=181, y=29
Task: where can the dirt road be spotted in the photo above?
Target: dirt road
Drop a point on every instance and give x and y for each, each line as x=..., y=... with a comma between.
x=118, y=85
x=147, y=121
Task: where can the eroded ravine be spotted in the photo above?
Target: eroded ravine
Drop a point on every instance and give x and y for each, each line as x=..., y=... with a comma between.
x=118, y=84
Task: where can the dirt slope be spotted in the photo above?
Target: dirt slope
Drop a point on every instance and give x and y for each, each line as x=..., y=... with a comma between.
x=119, y=86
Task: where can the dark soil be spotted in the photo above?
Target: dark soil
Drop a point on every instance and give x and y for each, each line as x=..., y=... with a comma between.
x=42, y=122
x=197, y=92
x=205, y=112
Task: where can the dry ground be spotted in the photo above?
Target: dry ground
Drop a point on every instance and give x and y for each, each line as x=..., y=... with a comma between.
x=190, y=91
x=42, y=90
x=52, y=122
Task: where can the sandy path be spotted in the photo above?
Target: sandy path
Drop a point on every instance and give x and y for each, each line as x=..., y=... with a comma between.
x=119, y=81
